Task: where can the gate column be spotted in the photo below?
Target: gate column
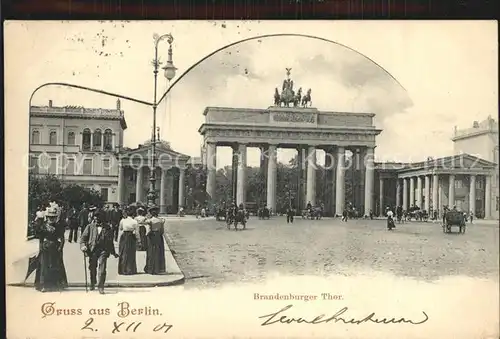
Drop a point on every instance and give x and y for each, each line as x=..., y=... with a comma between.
x=340, y=182
x=211, y=170
x=241, y=179
x=311, y=175
x=369, y=180
x=271, y=178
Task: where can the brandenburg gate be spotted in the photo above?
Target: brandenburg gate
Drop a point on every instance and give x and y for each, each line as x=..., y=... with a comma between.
x=291, y=123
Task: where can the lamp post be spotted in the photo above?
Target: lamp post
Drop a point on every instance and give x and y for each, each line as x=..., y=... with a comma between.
x=169, y=74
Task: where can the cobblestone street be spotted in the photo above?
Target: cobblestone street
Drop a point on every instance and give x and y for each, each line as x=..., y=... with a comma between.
x=209, y=254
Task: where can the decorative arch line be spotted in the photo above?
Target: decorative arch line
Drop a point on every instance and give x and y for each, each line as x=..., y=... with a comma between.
x=269, y=36
x=199, y=62
x=88, y=89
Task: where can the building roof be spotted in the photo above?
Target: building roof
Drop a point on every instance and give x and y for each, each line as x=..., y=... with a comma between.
x=461, y=160
x=162, y=147
x=489, y=125
x=79, y=112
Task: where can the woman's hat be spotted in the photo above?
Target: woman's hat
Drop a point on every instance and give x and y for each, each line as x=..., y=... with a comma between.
x=51, y=212
x=92, y=208
x=141, y=209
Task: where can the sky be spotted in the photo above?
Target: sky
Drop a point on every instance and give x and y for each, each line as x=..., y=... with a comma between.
x=419, y=78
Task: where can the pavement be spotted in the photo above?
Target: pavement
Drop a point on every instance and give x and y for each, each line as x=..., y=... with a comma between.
x=211, y=255
x=75, y=270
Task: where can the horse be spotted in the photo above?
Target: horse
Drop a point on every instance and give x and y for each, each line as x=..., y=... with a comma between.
x=237, y=216
x=315, y=213
x=297, y=97
x=306, y=99
x=264, y=213
x=277, y=98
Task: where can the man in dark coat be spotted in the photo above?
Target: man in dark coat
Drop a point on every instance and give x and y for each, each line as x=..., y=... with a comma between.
x=96, y=242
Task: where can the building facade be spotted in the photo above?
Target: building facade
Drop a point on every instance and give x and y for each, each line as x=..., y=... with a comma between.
x=463, y=181
x=78, y=144
x=481, y=140
x=84, y=146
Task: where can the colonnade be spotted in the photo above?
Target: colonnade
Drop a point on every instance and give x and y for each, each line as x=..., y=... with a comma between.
x=433, y=190
x=140, y=191
x=336, y=158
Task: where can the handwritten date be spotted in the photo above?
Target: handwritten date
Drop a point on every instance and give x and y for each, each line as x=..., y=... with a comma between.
x=127, y=327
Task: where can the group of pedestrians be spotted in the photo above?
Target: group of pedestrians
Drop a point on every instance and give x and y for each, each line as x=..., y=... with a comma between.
x=134, y=228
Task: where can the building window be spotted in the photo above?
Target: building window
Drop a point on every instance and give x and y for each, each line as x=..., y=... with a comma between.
x=105, y=167
x=104, y=194
x=71, y=167
x=97, y=146
x=87, y=166
x=498, y=203
x=53, y=138
x=35, y=137
x=86, y=136
x=53, y=166
x=71, y=138
x=458, y=184
x=108, y=140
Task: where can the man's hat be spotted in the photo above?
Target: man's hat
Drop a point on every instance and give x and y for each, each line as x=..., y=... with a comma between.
x=153, y=208
x=92, y=208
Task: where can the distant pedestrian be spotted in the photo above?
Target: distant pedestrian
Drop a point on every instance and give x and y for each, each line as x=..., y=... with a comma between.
x=115, y=216
x=96, y=242
x=345, y=214
x=72, y=221
x=83, y=217
x=289, y=215
x=471, y=215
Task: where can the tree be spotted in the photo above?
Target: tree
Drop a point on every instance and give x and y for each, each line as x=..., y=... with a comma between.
x=44, y=189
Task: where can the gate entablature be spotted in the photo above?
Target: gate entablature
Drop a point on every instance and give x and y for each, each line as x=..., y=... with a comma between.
x=283, y=125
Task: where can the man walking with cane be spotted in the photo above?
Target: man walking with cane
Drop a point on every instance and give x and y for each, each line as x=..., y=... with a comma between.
x=96, y=242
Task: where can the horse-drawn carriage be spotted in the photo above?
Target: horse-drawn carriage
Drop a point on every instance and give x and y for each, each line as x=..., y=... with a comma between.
x=417, y=214
x=454, y=218
x=235, y=216
x=314, y=213
x=264, y=213
x=220, y=214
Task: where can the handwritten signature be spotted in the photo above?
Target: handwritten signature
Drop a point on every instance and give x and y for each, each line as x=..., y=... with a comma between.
x=280, y=318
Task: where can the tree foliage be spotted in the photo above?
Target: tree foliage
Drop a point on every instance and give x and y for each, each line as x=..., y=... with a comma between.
x=43, y=189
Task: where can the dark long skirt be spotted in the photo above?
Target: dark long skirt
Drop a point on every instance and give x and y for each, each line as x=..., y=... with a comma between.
x=155, y=254
x=50, y=272
x=127, y=263
x=144, y=239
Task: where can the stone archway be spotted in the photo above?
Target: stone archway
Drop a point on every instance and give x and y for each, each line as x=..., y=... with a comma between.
x=303, y=128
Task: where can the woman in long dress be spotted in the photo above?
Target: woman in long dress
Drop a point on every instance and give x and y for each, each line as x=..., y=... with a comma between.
x=155, y=252
x=127, y=263
x=50, y=272
x=141, y=218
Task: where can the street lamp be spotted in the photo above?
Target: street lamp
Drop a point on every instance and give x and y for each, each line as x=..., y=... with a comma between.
x=169, y=72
